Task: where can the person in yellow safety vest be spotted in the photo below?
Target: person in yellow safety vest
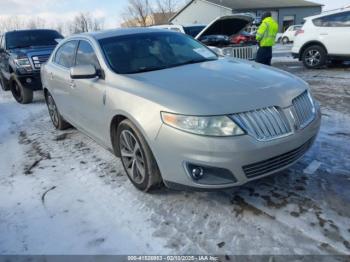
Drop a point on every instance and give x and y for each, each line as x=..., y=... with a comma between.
x=266, y=36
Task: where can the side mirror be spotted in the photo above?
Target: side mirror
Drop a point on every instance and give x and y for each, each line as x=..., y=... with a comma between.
x=83, y=72
x=2, y=50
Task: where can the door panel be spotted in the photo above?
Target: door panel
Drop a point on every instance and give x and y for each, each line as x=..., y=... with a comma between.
x=88, y=95
x=60, y=80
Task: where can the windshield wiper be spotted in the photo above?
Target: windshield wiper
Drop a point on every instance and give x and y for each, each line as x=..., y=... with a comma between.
x=148, y=69
x=20, y=46
x=193, y=61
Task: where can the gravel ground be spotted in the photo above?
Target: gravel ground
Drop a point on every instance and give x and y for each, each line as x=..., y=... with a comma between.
x=61, y=193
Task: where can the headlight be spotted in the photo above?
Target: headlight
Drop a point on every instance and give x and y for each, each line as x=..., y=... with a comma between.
x=203, y=125
x=23, y=63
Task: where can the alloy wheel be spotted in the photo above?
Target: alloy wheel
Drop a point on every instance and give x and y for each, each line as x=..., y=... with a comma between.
x=52, y=110
x=313, y=57
x=132, y=156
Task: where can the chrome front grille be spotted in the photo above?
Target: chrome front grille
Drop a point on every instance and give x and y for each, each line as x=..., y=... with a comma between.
x=264, y=124
x=39, y=60
x=304, y=110
x=242, y=52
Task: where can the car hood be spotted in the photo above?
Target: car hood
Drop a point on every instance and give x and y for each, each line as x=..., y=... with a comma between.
x=217, y=87
x=32, y=51
x=227, y=25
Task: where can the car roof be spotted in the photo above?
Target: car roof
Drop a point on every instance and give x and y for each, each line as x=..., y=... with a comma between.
x=30, y=30
x=332, y=12
x=120, y=32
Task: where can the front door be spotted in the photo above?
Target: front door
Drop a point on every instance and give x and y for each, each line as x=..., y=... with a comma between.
x=89, y=95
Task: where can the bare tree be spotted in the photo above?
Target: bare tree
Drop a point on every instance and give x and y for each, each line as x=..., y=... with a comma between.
x=85, y=22
x=11, y=23
x=36, y=23
x=164, y=10
x=142, y=13
x=167, y=6
x=137, y=13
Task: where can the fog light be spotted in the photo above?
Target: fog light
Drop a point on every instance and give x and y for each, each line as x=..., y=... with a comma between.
x=28, y=80
x=207, y=175
x=197, y=173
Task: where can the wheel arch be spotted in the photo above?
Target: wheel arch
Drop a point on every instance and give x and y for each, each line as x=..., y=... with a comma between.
x=113, y=128
x=116, y=120
x=311, y=43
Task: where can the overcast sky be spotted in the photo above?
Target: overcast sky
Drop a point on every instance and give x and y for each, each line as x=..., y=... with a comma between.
x=110, y=10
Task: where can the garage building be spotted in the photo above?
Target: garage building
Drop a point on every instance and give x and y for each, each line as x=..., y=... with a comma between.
x=287, y=12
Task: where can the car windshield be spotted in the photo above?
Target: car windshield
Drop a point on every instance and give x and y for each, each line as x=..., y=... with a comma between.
x=22, y=39
x=193, y=30
x=153, y=51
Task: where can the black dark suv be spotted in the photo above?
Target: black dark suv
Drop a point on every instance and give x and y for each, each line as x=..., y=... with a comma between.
x=21, y=55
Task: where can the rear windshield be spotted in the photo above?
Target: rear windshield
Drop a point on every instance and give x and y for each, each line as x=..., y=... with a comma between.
x=193, y=30
x=23, y=39
x=153, y=51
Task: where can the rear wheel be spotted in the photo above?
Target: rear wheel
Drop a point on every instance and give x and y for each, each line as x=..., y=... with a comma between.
x=314, y=57
x=137, y=158
x=21, y=94
x=56, y=118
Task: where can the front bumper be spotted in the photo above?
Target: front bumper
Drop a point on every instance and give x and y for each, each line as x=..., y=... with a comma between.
x=175, y=149
x=296, y=55
x=30, y=81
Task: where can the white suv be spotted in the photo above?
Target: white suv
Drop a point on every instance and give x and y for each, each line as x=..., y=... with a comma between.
x=323, y=38
x=289, y=35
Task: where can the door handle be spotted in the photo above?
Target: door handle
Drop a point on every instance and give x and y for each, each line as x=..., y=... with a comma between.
x=72, y=84
x=324, y=34
x=51, y=75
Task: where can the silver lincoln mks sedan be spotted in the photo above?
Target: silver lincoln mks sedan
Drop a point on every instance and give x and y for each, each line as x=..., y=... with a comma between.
x=176, y=113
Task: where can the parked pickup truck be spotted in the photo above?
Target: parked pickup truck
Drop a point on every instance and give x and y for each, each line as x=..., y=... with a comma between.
x=219, y=33
x=21, y=55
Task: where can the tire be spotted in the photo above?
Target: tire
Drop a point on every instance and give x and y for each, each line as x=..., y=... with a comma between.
x=314, y=57
x=56, y=118
x=21, y=94
x=4, y=86
x=137, y=158
x=285, y=40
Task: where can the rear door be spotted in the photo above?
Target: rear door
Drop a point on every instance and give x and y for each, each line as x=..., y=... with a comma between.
x=334, y=32
x=58, y=78
x=89, y=94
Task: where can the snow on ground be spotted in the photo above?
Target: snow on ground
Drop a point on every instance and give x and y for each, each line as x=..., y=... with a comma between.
x=61, y=193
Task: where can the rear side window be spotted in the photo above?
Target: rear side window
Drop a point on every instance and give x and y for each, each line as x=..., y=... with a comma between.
x=65, y=54
x=335, y=20
x=86, y=55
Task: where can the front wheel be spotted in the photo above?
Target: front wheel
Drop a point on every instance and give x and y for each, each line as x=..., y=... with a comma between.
x=22, y=94
x=285, y=40
x=314, y=57
x=4, y=86
x=137, y=158
x=56, y=118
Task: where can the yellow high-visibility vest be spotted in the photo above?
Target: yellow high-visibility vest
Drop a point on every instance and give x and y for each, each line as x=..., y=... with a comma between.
x=266, y=34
